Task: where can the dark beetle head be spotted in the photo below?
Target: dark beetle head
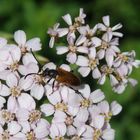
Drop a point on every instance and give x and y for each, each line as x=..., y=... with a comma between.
x=50, y=72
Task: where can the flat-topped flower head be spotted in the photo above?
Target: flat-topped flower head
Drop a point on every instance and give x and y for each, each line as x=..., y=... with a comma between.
x=62, y=109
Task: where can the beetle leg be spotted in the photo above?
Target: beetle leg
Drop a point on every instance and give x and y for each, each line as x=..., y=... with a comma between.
x=76, y=91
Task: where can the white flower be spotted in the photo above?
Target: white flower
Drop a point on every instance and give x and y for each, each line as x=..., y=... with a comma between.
x=108, y=49
x=39, y=131
x=36, y=78
x=62, y=119
x=109, y=111
x=28, y=68
x=10, y=57
x=57, y=131
x=90, y=97
x=24, y=45
x=72, y=26
x=119, y=81
x=63, y=99
x=73, y=48
x=17, y=98
x=6, y=116
x=105, y=70
x=87, y=31
x=81, y=117
x=106, y=27
x=89, y=64
x=86, y=132
x=125, y=62
x=79, y=133
x=11, y=132
x=24, y=115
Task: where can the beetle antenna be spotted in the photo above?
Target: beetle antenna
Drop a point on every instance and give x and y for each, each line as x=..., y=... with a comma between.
x=31, y=74
x=36, y=59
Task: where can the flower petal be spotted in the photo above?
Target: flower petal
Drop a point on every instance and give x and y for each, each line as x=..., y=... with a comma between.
x=85, y=90
x=12, y=80
x=33, y=44
x=20, y=37
x=81, y=39
x=37, y=91
x=28, y=58
x=3, y=42
x=54, y=98
x=26, y=101
x=96, y=74
x=98, y=121
x=96, y=41
x=106, y=20
x=61, y=50
x=108, y=134
x=82, y=61
x=47, y=109
x=67, y=19
x=115, y=108
x=5, y=91
x=12, y=104
x=22, y=114
x=97, y=96
x=71, y=57
x=14, y=128
x=104, y=107
x=84, y=71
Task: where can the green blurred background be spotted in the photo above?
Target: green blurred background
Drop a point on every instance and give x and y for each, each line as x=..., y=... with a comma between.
x=36, y=16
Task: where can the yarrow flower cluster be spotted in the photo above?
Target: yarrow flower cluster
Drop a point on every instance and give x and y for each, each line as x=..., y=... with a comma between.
x=35, y=106
x=96, y=50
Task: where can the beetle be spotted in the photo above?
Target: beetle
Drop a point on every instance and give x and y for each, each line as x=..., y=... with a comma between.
x=59, y=74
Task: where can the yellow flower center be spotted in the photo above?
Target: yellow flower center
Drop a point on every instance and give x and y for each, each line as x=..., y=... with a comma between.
x=72, y=28
x=89, y=34
x=30, y=136
x=107, y=70
x=124, y=58
x=15, y=91
x=85, y=103
x=61, y=107
x=93, y=63
x=5, y=135
x=7, y=116
x=109, y=29
x=34, y=116
x=72, y=48
x=14, y=66
x=119, y=77
x=104, y=45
